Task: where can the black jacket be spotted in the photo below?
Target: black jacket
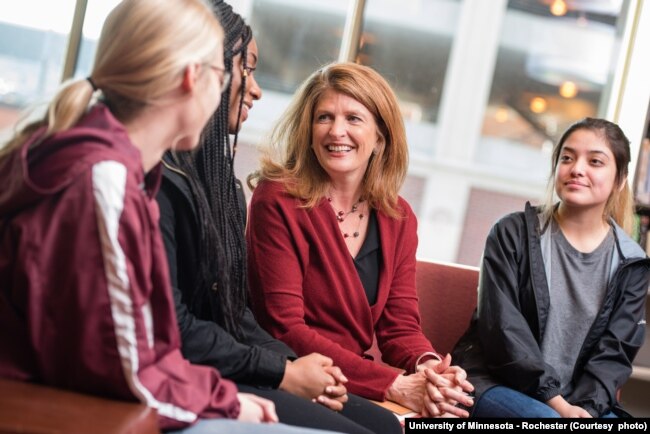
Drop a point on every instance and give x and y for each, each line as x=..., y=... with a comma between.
x=502, y=345
x=257, y=359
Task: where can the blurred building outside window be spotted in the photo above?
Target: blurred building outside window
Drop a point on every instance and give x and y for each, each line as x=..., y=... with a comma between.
x=33, y=37
x=485, y=87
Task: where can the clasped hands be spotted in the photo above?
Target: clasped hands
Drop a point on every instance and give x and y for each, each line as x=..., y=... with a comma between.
x=315, y=377
x=434, y=390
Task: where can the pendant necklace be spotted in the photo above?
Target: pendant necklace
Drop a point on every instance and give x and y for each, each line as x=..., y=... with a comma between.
x=342, y=215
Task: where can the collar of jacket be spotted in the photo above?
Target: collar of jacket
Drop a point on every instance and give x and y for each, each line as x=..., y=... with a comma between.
x=627, y=252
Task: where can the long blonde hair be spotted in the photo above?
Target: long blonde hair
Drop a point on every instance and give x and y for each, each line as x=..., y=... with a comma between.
x=299, y=169
x=142, y=51
x=619, y=205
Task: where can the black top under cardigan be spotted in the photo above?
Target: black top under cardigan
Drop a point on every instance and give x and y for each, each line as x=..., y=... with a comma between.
x=257, y=359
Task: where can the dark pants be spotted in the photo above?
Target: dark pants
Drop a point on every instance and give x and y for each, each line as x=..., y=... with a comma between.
x=359, y=416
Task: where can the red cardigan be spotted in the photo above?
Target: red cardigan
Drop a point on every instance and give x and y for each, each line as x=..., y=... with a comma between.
x=307, y=292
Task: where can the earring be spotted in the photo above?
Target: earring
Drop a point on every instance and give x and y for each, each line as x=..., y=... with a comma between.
x=375, y=151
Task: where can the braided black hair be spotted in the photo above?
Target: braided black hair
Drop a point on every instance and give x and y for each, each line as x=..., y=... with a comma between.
x=222, y=280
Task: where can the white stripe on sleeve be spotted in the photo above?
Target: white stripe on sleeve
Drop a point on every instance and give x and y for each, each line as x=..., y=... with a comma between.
x=109, y=184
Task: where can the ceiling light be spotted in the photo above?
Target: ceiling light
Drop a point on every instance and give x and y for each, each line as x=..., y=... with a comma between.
x=501, y=115
x=558, y=8
x=568, y=89
x=537, y=105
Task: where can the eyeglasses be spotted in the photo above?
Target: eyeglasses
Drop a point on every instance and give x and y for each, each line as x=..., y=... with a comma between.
x=224, y=77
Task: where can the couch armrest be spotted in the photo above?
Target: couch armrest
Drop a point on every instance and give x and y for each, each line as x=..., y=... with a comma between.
x=33, y=408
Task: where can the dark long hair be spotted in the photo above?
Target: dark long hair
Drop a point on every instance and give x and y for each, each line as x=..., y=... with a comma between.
x=222, y=280
x=619, y=205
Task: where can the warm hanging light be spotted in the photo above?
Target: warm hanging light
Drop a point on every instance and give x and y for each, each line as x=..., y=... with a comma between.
x=558, y=8
x=537, y=105
x=568, y=89
x=501, y=115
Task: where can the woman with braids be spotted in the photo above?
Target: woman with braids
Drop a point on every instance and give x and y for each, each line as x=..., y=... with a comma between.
x=561, y=310
x=85, y=297
x=203, y=220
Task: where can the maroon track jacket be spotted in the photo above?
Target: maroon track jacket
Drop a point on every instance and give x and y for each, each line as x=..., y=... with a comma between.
x=85, y=298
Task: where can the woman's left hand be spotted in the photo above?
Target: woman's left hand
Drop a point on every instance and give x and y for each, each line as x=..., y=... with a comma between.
x=441, y=396
x=443, y=367
x=446, y=386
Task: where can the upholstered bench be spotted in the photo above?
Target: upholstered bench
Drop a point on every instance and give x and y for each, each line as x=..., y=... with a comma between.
x=447, y=295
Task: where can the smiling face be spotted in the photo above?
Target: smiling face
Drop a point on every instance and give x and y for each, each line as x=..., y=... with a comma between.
x=252, y=91
x=344, y=135
x=585, y=175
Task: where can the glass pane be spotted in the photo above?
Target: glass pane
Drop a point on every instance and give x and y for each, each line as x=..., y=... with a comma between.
x=553, y=67
x=33, y=40
x=409, y=44
x=295, y=38
x=96, y=12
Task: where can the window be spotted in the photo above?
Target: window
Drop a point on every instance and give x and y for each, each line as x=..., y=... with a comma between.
x=409, y=44
x=553, y=66
x=33, y=41
x=96, y=12
x=295, y=38
x=485, y=87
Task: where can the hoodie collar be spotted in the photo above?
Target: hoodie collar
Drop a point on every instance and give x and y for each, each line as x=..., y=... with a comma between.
x=44, y=166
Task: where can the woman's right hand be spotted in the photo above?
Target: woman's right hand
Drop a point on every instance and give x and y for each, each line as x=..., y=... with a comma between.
x=408, y=391
x=256, y=409
x=559, y=404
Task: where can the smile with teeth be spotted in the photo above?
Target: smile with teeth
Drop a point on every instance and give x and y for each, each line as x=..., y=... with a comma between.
x=339, y=148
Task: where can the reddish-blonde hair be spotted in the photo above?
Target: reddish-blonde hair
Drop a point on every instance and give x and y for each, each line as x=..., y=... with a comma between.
x=297, y=166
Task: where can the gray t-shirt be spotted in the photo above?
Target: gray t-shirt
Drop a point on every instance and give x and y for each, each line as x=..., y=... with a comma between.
x=578, y=283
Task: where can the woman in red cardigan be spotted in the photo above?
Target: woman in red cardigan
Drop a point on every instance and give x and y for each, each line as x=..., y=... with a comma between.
x=332, y=245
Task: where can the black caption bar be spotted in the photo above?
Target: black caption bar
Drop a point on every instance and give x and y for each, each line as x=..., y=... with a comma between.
x=530, y=426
